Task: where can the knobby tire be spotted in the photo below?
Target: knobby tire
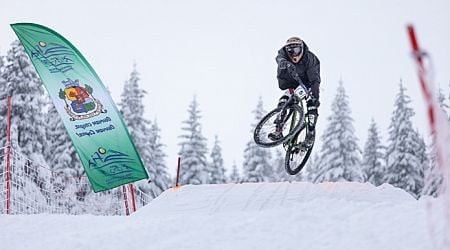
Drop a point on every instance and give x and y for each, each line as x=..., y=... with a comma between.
x=293, y=168
x=260, y=137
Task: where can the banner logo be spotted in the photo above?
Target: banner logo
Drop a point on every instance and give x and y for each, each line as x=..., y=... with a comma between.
x=114, y=165
x=55, y=57
x=82, y=104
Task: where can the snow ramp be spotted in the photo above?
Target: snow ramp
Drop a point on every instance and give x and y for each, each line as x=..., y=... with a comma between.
x=243, y=216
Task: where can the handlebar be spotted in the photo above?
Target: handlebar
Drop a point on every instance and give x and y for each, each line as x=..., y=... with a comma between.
x=302, y=91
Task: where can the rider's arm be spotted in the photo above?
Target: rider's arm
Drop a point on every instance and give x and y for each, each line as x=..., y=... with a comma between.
x=285, y=81
x=281, y=58
x=313, y=73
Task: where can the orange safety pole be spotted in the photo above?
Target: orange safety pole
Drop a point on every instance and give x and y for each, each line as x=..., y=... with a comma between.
x=8, y=159
x=133, y=201
x=125, y=199
x=178, y=172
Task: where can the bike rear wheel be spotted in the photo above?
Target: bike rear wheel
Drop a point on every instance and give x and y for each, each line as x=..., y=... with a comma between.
x=297, y=153
x=292, y=123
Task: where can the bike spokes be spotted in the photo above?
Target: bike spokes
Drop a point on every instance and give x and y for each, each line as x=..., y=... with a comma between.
x=287, y=122
x=297, y=153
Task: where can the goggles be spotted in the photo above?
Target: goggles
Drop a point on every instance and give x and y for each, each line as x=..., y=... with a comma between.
x=294, y=50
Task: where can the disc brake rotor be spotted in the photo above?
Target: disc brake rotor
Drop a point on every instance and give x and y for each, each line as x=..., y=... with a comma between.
x=298, y=149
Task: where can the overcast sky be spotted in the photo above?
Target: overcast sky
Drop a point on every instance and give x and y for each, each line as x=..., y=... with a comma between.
x=223, y=52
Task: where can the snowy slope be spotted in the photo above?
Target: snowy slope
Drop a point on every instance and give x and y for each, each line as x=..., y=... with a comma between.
x=244, y=216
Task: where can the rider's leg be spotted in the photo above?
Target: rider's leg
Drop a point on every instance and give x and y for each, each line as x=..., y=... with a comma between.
x=312, y=115
x=277, y=134
x=284, y=98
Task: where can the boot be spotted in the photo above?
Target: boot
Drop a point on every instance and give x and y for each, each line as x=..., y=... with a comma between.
x=275, y=136
x=311, y=131
x=309, y=139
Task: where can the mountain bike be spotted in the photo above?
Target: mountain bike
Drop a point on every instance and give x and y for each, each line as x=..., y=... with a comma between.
x=292, y=120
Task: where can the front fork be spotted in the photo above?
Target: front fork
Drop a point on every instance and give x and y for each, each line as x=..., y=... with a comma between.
x=281, y=117
x=294, y=139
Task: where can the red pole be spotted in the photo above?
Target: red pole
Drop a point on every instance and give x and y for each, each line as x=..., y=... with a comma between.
x=8, y=159
x=133, y=201
x=418, y=54
x=125, y=199
x=178, y=172
x=439, y=134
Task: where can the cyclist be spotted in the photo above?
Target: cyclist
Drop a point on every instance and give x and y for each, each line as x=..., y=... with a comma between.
x=296, y=65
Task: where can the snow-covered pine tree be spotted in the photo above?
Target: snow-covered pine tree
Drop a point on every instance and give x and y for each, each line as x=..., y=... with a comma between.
x=157, y=171
x=132, y=110
x=2, y=69
x=279, y=173
x=216, y=169
x=257, y=167
x=444, y=103
x=28, y=103
x=308, y=172
x=3, y=103
x=193, y=149
x=373, y=163
x=234, y=176
x=27, y=124
x=60, y=153
x=404, y=162
x=422, y=153
x=341, y=155
x=2, y=65
x=63, y=160
x=433, y=175
x=433, y=178
x=145, y=136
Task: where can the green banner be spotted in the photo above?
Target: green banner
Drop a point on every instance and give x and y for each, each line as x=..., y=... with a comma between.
x=89, y=114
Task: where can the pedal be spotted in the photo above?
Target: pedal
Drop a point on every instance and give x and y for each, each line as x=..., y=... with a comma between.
x=275, y=136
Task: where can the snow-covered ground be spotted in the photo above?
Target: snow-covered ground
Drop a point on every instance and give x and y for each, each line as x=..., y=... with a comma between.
x=246, y=216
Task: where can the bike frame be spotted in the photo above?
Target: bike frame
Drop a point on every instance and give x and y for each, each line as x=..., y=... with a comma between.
x=296, y=99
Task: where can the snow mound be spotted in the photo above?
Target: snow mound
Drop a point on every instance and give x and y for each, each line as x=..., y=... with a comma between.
x=256, y=197
x=243, y=216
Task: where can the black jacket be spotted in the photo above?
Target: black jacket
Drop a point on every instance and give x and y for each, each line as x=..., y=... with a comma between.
x=308, y=69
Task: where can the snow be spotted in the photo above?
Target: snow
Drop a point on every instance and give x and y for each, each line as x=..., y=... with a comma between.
x=284, y=215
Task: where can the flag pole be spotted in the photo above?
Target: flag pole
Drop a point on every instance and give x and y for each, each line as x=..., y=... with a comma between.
x=8, y=160
x=133, y=201
x=178, y=173
x=125, y=199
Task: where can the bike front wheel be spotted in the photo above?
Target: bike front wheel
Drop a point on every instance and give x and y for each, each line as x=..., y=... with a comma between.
x=291, y=123
x=297, y=154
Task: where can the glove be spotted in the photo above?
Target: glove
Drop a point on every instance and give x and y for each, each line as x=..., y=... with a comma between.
x=313, y=102
x=283, y=64
x=282, y=101
x=292, y=71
